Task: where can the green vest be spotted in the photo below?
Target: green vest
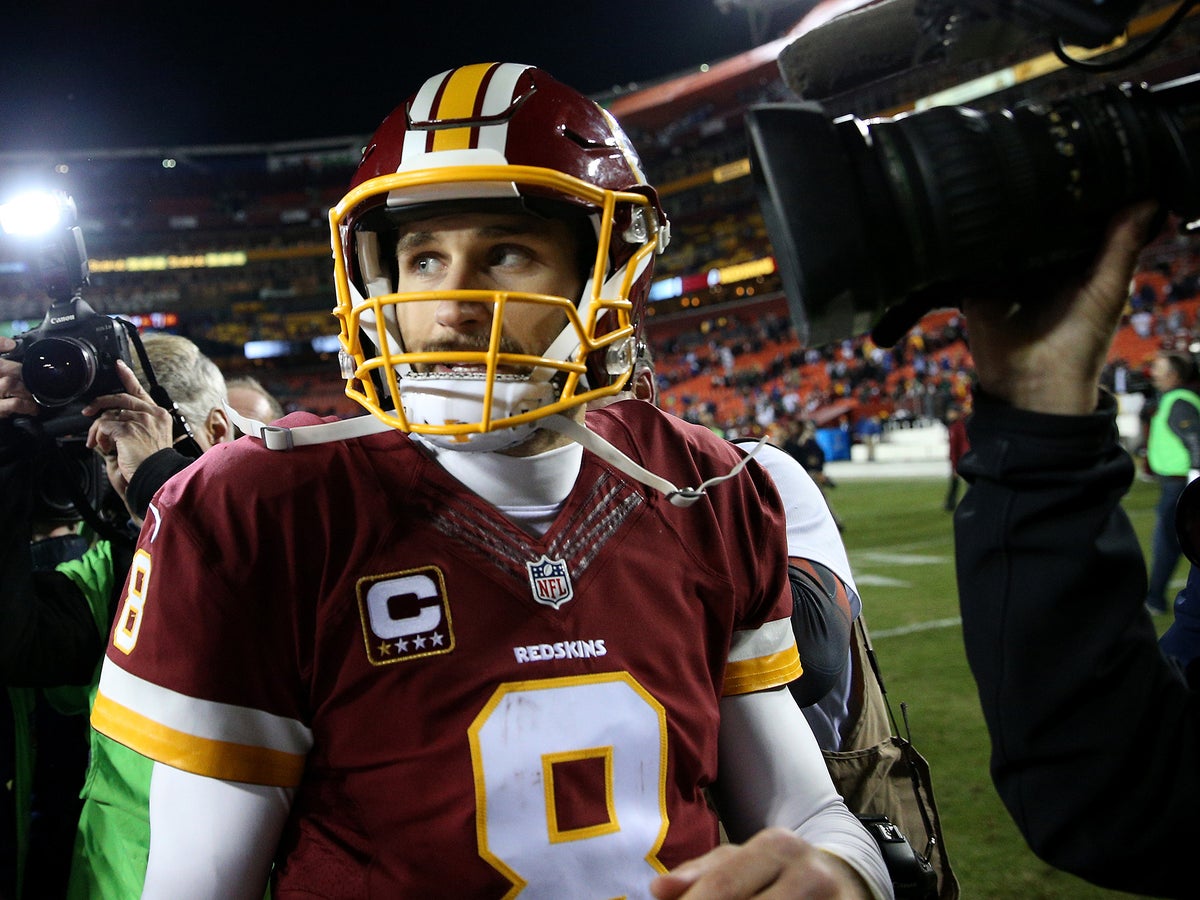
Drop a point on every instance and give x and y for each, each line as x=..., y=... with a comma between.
x=112, y=841
x=1165, y=452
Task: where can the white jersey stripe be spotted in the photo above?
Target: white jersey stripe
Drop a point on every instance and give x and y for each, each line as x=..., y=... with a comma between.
x=768, y=639
x=204, y=718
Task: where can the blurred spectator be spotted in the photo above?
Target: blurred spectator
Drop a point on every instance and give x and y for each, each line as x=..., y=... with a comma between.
x=247, y=397
x=1173, y=455
x=956, y=430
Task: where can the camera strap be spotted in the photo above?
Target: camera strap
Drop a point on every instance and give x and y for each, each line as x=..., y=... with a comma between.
x=184, y=437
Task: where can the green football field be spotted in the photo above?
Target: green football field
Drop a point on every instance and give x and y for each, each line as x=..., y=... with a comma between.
x=900, y=542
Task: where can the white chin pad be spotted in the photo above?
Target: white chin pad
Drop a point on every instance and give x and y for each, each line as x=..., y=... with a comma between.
x=443, y=399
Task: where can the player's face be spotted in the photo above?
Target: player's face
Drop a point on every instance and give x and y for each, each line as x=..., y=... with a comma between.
x=490, y=252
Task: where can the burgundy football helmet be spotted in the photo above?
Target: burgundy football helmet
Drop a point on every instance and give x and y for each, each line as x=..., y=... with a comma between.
x=494, y=135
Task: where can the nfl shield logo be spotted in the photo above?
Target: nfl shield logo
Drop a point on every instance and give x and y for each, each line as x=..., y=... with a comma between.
x=550, y=581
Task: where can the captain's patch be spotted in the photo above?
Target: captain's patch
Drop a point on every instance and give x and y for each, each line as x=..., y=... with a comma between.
x=405, y=615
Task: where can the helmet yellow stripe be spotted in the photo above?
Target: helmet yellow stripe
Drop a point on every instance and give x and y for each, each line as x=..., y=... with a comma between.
x=458, y=102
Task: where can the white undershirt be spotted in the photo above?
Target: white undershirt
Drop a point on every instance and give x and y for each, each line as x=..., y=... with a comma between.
x=529, y=490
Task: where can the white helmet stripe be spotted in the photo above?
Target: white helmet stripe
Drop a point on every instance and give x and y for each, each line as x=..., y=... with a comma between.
x=418, y=111
x=497, y=99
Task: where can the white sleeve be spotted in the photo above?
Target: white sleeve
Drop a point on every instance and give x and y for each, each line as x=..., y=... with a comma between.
x=812, y=532
x=772, y=773
x=211, y=839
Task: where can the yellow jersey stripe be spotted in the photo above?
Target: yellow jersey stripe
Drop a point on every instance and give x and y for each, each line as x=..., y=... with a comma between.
x=201, y=756
x=761, y=673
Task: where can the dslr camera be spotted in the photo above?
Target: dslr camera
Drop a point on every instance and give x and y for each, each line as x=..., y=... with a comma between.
x=875, y=222
x=67, y=360
x=72, y=356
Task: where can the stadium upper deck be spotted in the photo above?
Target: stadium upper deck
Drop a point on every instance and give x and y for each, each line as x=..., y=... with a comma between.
x=230, y=243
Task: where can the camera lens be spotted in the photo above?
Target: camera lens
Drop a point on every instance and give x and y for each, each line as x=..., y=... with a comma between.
x=919, y=209
x=991, y=192
x=57, y=370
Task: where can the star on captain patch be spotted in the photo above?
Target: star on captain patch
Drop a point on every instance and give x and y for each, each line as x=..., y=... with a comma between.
x=550, y=581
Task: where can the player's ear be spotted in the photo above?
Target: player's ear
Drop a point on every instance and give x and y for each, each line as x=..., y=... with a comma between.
x=643, y=383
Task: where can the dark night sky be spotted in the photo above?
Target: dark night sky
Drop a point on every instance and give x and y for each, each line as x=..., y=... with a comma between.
x=85, y=75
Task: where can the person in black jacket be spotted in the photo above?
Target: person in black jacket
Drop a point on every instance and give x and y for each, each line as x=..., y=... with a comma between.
x=50, y=633
x=1094, y=735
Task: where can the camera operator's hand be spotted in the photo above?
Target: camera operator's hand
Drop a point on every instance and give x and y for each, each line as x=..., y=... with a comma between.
x=1041, y=344
x=15, y=399
x=128, y=428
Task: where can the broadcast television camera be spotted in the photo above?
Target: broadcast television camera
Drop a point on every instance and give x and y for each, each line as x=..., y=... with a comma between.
x=876, y=221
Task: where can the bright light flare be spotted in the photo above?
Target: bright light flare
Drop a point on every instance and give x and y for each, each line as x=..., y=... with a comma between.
x=32, y=213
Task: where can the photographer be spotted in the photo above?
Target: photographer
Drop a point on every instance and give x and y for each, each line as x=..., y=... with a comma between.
x=53, y=624
x=70, y=655
x=1094, y=735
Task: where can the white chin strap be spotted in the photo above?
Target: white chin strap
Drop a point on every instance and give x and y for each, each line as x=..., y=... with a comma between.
x=606, y=451
x=445, y=398
x=278, y=437
x=442, y=398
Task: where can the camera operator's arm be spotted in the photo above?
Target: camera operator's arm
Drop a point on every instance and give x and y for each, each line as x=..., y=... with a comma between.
x=1093, y=734
x=1043, y=351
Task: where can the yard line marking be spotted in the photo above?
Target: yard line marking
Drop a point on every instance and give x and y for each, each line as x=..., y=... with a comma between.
x=870, y=580
x=900, y=559
x=937, y=543
x=917, y=626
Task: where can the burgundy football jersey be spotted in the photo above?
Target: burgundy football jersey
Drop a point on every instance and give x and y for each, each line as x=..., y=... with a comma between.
x=465, y=709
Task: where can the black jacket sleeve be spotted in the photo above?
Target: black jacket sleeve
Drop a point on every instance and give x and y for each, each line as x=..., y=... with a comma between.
x=1095, y=737
x=155, y=471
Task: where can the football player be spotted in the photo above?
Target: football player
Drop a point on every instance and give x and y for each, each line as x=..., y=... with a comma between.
x=478, y=643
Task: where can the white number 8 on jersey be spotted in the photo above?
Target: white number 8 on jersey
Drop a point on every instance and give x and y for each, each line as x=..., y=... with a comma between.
x=530, y=730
